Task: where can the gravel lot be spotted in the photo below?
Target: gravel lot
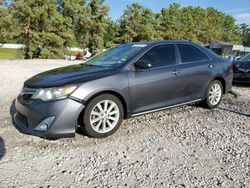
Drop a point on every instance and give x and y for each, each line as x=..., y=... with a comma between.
x=182, y=147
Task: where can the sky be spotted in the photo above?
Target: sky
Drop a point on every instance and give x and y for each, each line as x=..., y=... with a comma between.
x=239, y=9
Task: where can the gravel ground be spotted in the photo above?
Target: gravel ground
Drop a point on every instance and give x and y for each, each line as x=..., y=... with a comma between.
x=187, y=146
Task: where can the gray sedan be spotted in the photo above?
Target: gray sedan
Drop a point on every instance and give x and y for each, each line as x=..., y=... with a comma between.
x=126, y=81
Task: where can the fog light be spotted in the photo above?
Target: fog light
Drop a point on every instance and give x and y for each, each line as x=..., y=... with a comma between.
x=45, y=124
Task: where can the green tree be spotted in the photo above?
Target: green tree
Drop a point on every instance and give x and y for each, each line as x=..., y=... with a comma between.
x=231, y=32
x=138, y=24
x=111, y=37
x=97, y=22
x=75, y=12
x=9, y=29
x=44, y=30
x=194, y=24
x=245, y=34
x=47, y=27
x=197, y=24
x=170, y=22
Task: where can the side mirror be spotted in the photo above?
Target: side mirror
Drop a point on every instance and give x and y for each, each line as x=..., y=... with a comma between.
x=143, y=65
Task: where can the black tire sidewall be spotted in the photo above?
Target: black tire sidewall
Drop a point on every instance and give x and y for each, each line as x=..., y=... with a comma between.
x=208, y=104
x=86, y=115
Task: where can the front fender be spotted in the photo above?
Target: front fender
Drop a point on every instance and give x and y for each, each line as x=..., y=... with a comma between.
x=117, y=83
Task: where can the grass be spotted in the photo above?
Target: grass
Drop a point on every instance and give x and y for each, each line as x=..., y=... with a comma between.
x=9, y=53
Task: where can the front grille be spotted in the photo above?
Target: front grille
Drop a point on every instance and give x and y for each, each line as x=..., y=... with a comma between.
x=22, y=119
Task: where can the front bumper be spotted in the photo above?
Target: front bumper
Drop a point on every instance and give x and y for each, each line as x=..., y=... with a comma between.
x=31, y=113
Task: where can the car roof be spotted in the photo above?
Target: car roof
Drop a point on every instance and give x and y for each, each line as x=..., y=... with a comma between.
x=152, y=43
x=162, y=42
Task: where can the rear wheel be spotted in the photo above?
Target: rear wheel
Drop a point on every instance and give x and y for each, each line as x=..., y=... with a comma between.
x=102, y=116
x=214, y=94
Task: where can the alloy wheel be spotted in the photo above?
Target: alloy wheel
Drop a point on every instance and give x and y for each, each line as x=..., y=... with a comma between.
x=215, y=94
x=104, y=116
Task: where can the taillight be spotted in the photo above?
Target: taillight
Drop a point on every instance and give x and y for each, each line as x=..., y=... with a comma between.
x=232, y=65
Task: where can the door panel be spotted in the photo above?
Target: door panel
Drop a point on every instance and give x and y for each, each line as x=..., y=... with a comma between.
x=153, y=88
x=174, y=83
x=158, y=86
x=195, y=79
x=197, y=70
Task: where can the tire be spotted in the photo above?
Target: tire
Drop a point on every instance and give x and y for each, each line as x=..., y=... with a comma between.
x=100, y=119
x=214, y=94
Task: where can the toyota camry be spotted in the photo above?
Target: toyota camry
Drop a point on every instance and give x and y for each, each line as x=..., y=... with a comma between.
x=126, y=81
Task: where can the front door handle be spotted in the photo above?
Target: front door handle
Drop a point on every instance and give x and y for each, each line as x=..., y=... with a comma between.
x=176, y=72
x=211, y=66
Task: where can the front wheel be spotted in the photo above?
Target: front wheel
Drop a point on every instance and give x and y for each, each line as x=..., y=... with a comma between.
x=214, y=94
x=102, y=116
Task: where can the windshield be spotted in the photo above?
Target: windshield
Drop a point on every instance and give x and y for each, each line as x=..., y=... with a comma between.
x=116, y=56
x=245, y=58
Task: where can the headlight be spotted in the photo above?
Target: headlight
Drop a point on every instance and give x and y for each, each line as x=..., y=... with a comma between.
x=47, y=94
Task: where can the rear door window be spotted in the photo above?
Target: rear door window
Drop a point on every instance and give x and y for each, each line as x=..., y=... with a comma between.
x=190, y=53
x=160, y=56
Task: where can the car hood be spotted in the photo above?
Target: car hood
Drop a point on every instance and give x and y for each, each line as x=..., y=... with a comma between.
x=66, y=75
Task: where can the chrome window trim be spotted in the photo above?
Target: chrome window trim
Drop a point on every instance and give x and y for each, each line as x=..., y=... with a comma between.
x=190, y=62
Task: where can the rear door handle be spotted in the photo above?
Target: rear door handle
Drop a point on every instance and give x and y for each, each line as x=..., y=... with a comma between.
x=176, y=72
x=211, y=66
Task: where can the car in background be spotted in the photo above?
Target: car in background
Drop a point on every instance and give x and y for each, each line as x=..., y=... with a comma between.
x=241, y=69
x=126, y=81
